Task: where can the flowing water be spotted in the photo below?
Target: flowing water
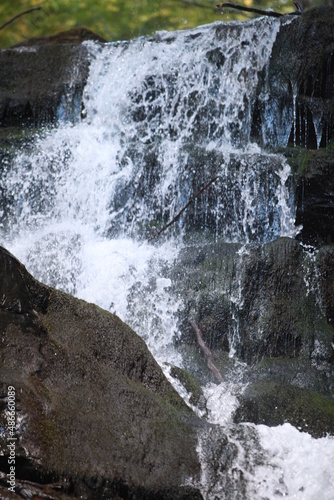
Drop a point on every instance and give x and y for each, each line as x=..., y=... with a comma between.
x=162, y=116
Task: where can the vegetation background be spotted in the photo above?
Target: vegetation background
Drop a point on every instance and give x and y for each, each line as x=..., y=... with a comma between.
x=120, y=19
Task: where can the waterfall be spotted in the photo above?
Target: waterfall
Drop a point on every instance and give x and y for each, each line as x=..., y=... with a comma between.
x=161, y=116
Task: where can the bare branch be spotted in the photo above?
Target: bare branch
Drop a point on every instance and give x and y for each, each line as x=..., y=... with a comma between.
x=270, y=13
x=178, y=215
x=23, y=13
x=206, y=351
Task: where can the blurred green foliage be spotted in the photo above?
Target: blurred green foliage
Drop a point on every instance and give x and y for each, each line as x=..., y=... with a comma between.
x=117, y=19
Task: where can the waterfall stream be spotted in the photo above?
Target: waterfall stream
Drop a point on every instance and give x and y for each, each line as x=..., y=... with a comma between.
x=161, y=117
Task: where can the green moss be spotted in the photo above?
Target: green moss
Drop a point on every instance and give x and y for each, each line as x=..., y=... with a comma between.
x=189, y=383
x=304, y=159
x=299, y=159
x=330, y=147
x=303, y=162
x=270, y=403
x=13, y=137
x=50, y=435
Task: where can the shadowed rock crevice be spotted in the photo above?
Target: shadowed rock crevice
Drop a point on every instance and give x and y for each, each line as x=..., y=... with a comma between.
x=297, y=86
x=314, y=175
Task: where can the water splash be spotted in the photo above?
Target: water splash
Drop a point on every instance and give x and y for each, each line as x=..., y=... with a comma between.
x=163, y=115
x=255, y=461
x=302, y=464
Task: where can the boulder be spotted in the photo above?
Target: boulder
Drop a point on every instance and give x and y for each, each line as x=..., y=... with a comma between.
x=95, y=416
x=42, y=84
x=272, y=404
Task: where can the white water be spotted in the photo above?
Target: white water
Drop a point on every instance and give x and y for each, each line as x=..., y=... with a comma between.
x=276, y=461
x=79, y=198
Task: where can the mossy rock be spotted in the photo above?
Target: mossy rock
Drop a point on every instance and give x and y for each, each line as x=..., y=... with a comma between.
x=190, y=385
x=272, y=404
x=314, y=184
x=91, y=399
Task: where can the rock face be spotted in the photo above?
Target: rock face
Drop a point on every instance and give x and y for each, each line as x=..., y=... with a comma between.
x=41, y=84
x=44, y=79
x=272, y=305
x=300, y=83
x=314, y=195
x=272, y=403
x=95, y=415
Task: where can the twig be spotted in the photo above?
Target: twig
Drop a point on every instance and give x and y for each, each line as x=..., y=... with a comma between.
x=156, y=235
x=206, y=351
x=250, y=9
x=270, y=13
x=23, y=13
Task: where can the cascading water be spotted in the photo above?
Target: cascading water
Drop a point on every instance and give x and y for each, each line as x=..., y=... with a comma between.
x=162, y=116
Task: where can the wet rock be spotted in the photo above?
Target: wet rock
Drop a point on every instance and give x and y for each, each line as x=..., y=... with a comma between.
x=225, y=210
x=325, y=258
x=204, y=275
x=314, y=177
x=298, y=85
x=42, y=79
x=95, y=415
x=191, y=386
x=272, y=404
x=40, y=85
x=261, y=302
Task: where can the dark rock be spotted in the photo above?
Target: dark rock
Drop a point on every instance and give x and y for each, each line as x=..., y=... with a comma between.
x=262, y=302
x=222, y=211
x=204, y=277
x=273, y=404
x=297, y=89
x=191, y=386
x=325, y=259
x=41, y=85
x=95, y=415
x=72, y=36
x=274, y=302
x=42, y=79
x=314, y=196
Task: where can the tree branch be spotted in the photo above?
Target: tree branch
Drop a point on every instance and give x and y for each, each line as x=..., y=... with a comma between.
x=23, y=13
x=206, y=351
x=178, y=215
x=270, y=13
